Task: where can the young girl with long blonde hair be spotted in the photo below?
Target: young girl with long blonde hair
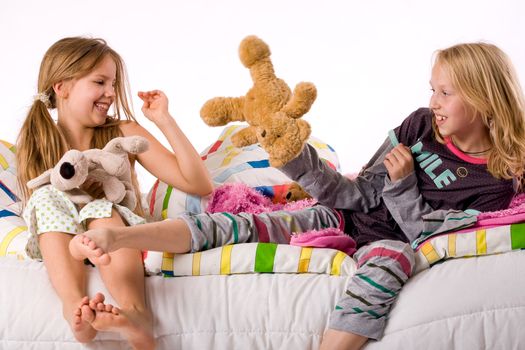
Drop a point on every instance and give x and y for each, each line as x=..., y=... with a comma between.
x=436, y=171
x=83, y=79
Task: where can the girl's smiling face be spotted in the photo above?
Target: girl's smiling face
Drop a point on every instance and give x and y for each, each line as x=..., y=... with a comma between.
x=87, y=100
x=453, y=117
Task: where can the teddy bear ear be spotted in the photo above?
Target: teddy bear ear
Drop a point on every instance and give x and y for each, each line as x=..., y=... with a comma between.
x=252, y=49
x=130, y=144
x=43, y=179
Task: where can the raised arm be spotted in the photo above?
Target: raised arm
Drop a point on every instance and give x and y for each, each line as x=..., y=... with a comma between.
x=333, y=189
x=182, y=168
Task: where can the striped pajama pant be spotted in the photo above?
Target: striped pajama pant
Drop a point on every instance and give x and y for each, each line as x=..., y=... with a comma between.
x=383, y=266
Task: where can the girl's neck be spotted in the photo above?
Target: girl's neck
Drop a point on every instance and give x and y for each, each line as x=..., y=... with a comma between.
x=478, y=147
x=77, y=138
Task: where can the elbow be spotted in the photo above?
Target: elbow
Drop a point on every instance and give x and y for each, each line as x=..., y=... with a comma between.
x=205, y=189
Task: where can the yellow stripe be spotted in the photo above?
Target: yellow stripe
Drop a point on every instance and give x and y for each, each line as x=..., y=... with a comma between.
x=337, y=262
x=227, y=160
x=164, y=214
x=304, y=260
x=9, y=238
x=167, y=261
x=196, y=265
x=7, y=144
x=430, y=253
x=228, y=131
x=318, y=145
x=3, y=162
x=481, y=242
x=452, y=245
x=226, y=257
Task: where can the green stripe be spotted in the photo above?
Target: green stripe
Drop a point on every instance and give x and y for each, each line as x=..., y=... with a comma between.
x=166, y=201
x=337, y=307
x=235, y=227
x=517, y=236
x=378, y=286
x=390, y=272
x=370, y=312
x=264, y=257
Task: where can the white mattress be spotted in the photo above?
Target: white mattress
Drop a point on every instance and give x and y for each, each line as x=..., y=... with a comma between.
x=474, y=303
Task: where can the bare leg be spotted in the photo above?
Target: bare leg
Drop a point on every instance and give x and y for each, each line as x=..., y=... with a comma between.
x=334, y=339
x=164, y=236
x=124, y=278
x=68, y=277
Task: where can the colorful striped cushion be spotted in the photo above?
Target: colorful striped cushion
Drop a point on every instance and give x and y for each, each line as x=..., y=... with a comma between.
x=257, y=258
x=9, y=193
x=13, y=230
x=226, y=164
x=467, y=243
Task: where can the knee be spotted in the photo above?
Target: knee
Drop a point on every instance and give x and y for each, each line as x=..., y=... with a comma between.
x=389, y=254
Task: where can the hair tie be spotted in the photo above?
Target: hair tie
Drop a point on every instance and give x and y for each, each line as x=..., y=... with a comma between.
x=44, y=98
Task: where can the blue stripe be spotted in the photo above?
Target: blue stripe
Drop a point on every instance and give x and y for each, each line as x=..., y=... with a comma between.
x=8, y=192
x=6, y=213
x=193, y=204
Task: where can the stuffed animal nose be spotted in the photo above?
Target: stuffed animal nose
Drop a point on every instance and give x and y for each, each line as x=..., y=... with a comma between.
x=263, y=133
x=67, y=170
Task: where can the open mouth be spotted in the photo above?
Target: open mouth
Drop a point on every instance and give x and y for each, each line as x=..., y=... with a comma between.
x=102, y=106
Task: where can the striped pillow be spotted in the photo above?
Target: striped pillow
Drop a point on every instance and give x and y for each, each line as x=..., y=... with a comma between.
x=470, y=242
x=13, y=230
x=258, y=258
x=226, y=164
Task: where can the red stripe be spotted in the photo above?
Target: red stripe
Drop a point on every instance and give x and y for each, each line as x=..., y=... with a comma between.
x=279, y=192
x=152, y=199
x=213, y=148
x=397, y=256
x=262, y=230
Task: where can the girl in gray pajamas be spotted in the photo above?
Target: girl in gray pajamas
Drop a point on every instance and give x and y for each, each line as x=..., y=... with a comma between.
x=435, y=172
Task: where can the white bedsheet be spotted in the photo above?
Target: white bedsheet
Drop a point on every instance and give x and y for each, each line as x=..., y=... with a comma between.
x=474, y=303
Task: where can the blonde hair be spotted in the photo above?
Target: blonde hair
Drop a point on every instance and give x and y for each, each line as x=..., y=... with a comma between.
x=40, y=143
x=485, y=78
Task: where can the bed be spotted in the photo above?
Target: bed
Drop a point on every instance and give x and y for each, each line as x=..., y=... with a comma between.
x=467, y=293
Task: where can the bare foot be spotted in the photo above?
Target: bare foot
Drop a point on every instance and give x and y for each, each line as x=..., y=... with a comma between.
x=135, y=325
x=82, y=247
x=82, y=330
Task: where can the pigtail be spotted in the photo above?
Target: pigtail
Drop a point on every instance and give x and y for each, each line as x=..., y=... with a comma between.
x=39, y=145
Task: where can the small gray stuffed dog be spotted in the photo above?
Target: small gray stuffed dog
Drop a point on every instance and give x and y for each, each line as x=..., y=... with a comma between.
x=110, y=166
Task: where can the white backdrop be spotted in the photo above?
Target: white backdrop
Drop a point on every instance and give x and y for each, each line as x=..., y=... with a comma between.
x=370, y=60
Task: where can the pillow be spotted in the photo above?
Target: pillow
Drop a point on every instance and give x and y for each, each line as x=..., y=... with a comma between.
x=13, y=235
x=9, y=194
x=258, y=258
x=470, y=242
x=13, y=230
x=226, y=164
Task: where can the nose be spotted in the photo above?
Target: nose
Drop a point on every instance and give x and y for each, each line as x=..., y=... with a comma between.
x=110, y=91
x=434, y=101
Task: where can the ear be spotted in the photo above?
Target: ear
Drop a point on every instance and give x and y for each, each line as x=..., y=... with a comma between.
x=61, y=88
x=43, y=179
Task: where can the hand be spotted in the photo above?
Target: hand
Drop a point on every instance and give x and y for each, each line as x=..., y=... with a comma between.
x=399, y=162
x=155, y=106
x=93, y=188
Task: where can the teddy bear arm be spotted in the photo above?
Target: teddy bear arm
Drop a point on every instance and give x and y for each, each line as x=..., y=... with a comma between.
x=245, y=137
x=223, y=110
x=302, y=99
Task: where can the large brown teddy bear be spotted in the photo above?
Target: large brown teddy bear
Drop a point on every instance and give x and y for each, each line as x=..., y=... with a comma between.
x=269, y=107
